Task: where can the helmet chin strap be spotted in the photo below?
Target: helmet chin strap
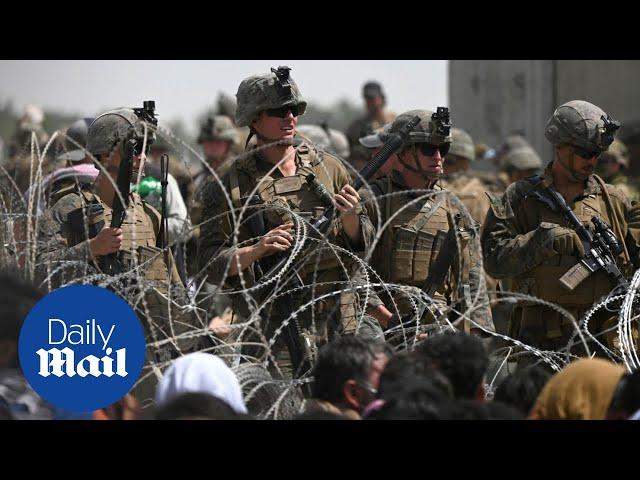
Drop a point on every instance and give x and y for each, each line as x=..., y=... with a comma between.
x=429, y=177
x=570, y=169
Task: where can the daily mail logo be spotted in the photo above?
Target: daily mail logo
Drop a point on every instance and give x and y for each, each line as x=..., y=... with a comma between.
x=82, y=348
x=61, y=362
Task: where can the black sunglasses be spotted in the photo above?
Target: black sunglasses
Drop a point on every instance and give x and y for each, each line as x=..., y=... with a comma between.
x=282, y=111
x=584, y=153
x=429, y=150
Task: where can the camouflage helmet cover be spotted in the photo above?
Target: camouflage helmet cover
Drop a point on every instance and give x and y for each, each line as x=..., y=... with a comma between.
x=219, y=127
x=462, y=144
x=265, y=91
x=429, y=130
x=110, y=128
x=522, y=158
x=581, y=124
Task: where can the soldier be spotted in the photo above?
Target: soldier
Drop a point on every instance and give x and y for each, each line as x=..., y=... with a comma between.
x=518, y=164
x=220, y=142
x=283, y=178
x=527, y=242
x=406, y=252
x=458, y=178
x=612, y=167
x=75, y=237
x=375, y=118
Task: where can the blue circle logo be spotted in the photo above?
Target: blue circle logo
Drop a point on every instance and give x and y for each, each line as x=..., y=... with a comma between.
x=81, y=348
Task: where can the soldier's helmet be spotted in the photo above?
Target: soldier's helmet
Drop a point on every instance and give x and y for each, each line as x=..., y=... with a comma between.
x=265, y=91
x=434, y=128
x=462, y=144
x=219, y=127
x=110, y=128
x=316, y=134
x=581, y=124
x=75, y=141
x=618, y=152
x=522, y=158
x=339, y=142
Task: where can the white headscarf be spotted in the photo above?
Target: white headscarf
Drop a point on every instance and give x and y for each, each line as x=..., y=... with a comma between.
x=201, y=372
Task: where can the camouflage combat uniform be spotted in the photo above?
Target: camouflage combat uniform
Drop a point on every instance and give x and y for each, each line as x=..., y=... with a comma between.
x=411, y=241
x=278, y=196
x=520, y=233
x=516, y=245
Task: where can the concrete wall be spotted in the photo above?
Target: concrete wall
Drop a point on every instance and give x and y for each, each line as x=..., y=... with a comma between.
x=492, y=98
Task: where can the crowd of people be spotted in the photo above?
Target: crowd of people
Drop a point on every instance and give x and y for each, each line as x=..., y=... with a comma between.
x=297, y=272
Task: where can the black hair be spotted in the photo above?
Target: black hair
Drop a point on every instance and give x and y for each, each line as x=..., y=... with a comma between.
x=626, y=397
x=467, y=409
x=345, y=358
x=406, y=366
x=460, y=357
x=418, y=398
x=198, y=404
x=521, y=388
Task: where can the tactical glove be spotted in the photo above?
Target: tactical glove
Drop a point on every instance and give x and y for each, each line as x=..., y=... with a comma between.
x=564, y=241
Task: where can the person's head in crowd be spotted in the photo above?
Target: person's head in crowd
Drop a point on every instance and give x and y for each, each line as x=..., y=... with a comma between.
x=416, y=398
x=347, y=372
x=219, y=138
x=626, y=397
x=204, y=373
x=405, y=366
x=420, y=162
x=511, y=142
x=461, y=153
x=520, y=163
x=581, y=391
x=374, y=99
x=521, y=388
x=467, y=409
x=73, y=148
x=17, y=298
x=462, y=358
x=320, y=415
x=198, y=406
x=613, y=161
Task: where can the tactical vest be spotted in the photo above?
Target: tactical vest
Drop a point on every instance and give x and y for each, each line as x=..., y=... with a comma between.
x=138, y=231
x=543, y=281
x=412, y=240
x=280, y=194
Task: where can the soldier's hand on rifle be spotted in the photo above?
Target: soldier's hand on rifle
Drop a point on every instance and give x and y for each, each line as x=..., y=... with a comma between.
x=347, y=202
x=566, y=241
x=109, y=240
x=277, y=240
